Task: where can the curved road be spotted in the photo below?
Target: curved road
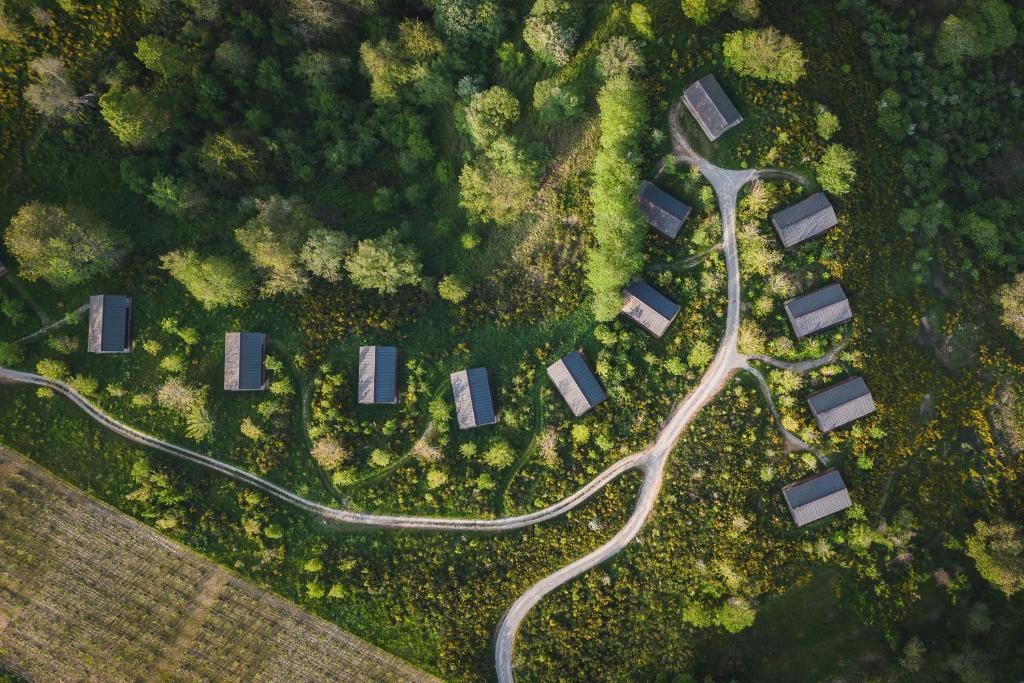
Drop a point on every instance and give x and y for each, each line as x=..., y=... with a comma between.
x=727, y=184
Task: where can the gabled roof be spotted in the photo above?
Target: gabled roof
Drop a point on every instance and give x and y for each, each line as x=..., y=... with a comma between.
x=714, y=111
x=474, y=398
x=818, y=310
x=805, y=220
x=841, y=403
x=816, y=496
x=244, y=354
x=378, y=374
x=649, y=308
x=664, y=213
x=576, y=382
x=110, y=323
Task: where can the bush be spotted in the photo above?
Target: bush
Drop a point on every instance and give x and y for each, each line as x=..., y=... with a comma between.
x=836, y=169
x=454, y=288
x=499, y=455
x=383, y=264
x=1011, y=302
x=826, y=123
x=765, y=54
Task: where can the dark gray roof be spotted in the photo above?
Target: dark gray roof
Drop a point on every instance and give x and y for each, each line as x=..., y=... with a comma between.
x=378, y=374
x=244, y=354
x=818, y=310
x=110, y=323
x=805, y=220
x=714, y=111
x=841, y=403
x=474, y=398
x=664, y=213
x=816, y=496
x=576, y=382
x=649, y=308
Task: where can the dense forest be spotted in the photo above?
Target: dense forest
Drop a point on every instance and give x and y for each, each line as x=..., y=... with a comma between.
x=458, y=178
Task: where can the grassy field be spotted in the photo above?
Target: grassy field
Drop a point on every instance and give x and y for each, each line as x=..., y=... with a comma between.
x=87, y=593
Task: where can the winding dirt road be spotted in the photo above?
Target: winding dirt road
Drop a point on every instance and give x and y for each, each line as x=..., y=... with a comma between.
x=651, y=461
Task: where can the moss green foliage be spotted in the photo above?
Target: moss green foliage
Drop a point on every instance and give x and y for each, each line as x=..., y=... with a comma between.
x=978, y=29
x=837, y=170
x=826, y=122
x=551, y=30
x=213, y=280
x=65, y=246
x=383, y=264
x=135, y=117
x=274, y=239
x=998, y=553
x=162, y=56
x=454, y=288
x=618, y=227
x=490, y=113
x=764, y=53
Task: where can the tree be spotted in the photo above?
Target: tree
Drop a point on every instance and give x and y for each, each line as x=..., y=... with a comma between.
x=162, y=56
x=619, y=56
x=454, y=288
x=225, y=156
x=499, y=185
x=135, y=117
x=393, y=65
x=499, y=455
x=554, y=103
x=765, y=54
x=551, y=30
x=330, y=453
x=176, y=196
x=383, y=264
x=273, y=238
x=618, y=226
x=836, y=169
x=52, y=94
x=998, y=552
x=325, y=251
x=10, y=354
x=64, y=246
x=982, y=28
x=703, y=11
x=490, y=113
x=470, y=21
x=826, y=122
x=213, y=280
x=1011, y=302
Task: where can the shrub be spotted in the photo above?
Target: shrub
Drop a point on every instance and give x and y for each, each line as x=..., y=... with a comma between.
x=65, y=246
x=765, y=54
x=619, y=56
x=1011, y=303
x=499, y=455
x=836, y=169
x=454, y=288
x=826, y=122
x=330, y=453
x=380, y=458
x=998, y=553
x=436, y=478
x=52, y=369
x=384, y=264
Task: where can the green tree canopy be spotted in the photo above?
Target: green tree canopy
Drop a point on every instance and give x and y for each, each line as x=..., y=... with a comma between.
x=162, y=56
x=64, y=246
x=490, y=113
x=551, y=30
x=998, y=552
x=764, y=53
x=213, y=280
x=137, y=118
x=1011, y=304
x=273, y=238
x=325, y=251
x=837, y=169
x=384, y=264
x=980, y=28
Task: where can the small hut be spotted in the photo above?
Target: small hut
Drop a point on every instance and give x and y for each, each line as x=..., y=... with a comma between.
x=805, y=220
x=817, y=496
x=841, y=403
x=664, y=213
x=576, y=382
x=473, y=390
x=649, y=308
x=714, y=111
x=110, y=323
x=378, y=375
x=818, y=310
x=245, y=366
